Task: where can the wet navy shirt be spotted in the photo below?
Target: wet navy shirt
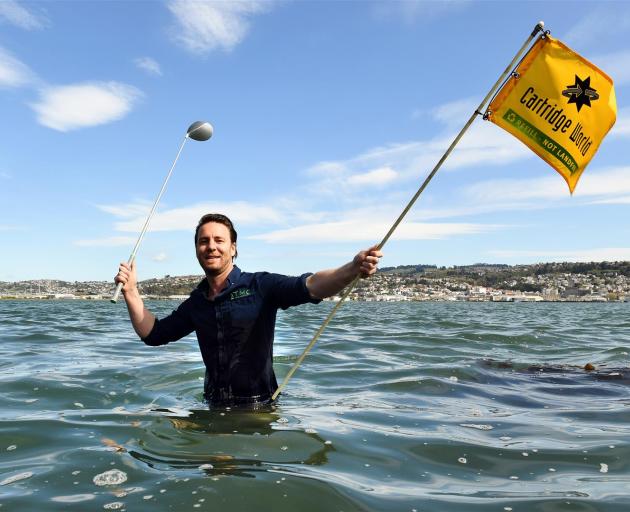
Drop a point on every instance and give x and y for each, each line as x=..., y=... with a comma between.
x=235, y=332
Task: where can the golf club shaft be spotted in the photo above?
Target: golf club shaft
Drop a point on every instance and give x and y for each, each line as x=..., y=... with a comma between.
x=132, y=257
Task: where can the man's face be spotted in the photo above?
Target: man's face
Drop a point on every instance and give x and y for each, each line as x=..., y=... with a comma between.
x=215, y=249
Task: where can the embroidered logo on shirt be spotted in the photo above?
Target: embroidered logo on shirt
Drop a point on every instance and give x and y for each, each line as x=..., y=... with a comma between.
x=240, y=293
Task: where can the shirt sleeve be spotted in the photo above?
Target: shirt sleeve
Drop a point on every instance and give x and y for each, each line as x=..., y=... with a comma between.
x=287, y=291
x=172, y=327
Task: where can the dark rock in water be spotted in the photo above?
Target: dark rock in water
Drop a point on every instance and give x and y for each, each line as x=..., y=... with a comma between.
x=601, y=373
x=491, y=363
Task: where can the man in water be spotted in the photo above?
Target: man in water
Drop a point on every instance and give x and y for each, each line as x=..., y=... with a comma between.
x=234, y=313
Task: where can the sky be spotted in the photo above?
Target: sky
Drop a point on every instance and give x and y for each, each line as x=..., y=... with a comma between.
x=327, y=118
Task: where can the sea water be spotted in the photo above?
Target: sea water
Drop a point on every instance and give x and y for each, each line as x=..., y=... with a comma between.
x=399, y=407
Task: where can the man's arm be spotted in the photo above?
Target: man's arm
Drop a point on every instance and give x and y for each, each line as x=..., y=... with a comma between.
x=141, y=318
x=325, y=283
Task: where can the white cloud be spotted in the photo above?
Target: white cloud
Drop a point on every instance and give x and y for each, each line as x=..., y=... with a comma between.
x=127, y=211
x=5, y=175
x=13, y=73
x=483, y=144
x=299, y=219
x=70, y=107
x=18, y=15
x=451, y=114
x=327, y=169
x=622, y=126
x=8, y=227
x=455, y=112
x=185, y=219
x=486, y=144
x=613, y=200
x=616, y=65
x=602, y=186
x=149, y=65
x=600, y=23
x=112, y=241
x=610, y=182
x=358, y=224
x=595, y=254
x=206, y=26
x=513, y=191
x=162, y=256
x=379, y=176
x=361, y=230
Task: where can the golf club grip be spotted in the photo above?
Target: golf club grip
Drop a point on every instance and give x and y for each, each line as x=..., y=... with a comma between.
x=114, y=299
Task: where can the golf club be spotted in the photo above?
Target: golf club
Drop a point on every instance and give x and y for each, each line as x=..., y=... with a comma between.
x=199, y=130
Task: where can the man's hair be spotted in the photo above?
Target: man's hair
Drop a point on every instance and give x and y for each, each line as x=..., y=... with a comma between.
x=220, y=219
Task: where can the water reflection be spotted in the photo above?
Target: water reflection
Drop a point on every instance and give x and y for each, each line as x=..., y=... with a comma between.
x=224, y=442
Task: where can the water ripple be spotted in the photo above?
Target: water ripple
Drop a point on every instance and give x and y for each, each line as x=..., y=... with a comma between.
x=426, y=406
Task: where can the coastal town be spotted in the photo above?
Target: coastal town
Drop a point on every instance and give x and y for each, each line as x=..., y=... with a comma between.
x=551, y=282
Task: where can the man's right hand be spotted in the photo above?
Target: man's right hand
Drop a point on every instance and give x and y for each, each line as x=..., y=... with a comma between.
x=141, y=318
x=127, y=276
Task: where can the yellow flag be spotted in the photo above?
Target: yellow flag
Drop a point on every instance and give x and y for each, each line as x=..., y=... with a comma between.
x=558, y=104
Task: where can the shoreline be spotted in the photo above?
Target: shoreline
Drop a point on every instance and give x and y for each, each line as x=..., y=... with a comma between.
x=595, y=300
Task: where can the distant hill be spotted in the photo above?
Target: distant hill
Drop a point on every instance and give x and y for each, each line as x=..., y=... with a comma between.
x=598, y=268
x=526, y=278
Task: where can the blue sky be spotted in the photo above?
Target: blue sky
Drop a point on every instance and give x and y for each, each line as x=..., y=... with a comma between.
x=327, y=115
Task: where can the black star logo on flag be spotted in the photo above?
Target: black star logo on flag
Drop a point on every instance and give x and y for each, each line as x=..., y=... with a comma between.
x=581, y=93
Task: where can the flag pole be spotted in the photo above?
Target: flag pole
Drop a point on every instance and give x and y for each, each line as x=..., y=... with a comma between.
x=479, y=111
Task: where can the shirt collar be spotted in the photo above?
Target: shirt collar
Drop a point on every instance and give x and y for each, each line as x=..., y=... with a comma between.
x=232, y=278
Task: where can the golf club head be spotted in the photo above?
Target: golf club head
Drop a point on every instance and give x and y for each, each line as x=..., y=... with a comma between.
x=200, y=130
